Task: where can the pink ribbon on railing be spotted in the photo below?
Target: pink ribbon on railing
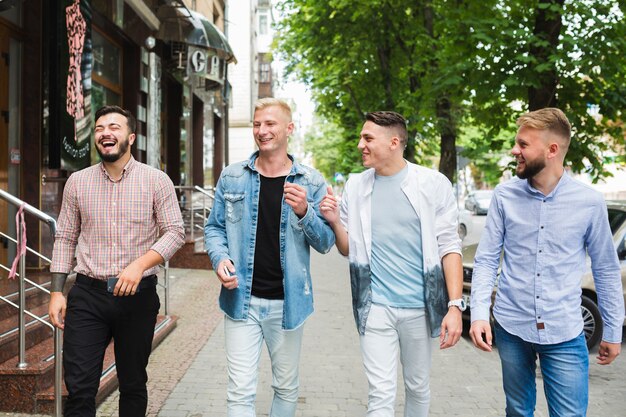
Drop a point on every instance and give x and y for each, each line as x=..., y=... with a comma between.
x=21, y=243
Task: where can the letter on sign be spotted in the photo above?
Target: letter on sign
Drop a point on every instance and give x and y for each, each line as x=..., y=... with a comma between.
x=198, y=61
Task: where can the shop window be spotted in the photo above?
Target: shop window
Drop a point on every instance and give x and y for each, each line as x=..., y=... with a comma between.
x=106, y=75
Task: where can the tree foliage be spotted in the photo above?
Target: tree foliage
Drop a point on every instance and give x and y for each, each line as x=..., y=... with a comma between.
x=330, y=152
x=448, y=64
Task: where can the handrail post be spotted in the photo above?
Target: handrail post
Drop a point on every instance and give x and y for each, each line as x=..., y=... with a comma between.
x=192, y=215
x=58, y=374
x=22, y=295
x=166, y=279
x=204, y=218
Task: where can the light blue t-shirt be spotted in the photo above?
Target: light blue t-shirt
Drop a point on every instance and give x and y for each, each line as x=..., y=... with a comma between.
x=397, y=261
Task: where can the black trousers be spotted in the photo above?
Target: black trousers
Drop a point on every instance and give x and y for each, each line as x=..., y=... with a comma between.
x=93, y=317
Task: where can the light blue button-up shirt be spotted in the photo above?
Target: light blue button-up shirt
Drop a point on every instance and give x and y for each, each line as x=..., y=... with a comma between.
x=544, y=240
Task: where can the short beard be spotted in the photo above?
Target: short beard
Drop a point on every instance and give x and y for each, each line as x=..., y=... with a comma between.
x=532, y=169
x=113, y=157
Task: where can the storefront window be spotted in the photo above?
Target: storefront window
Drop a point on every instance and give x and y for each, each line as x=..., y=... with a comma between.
x=101, y=96
x=106, y=79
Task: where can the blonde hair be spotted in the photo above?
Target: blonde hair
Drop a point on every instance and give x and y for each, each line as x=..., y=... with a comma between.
x=550, y=119
x=270, y=102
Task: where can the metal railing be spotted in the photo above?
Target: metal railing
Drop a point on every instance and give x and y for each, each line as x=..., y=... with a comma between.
x=43, y=217
x=196, y=202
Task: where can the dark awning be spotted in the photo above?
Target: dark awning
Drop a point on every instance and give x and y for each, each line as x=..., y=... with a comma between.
x=179, y=24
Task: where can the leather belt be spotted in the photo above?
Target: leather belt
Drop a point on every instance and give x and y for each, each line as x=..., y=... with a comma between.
x=149, y=281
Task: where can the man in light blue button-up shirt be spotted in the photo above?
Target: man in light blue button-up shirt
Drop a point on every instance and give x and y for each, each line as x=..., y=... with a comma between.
x=544, y=223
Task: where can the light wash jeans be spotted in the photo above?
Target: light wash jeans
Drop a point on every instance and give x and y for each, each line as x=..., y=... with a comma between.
x=244, y=340
x=565, y=371
x=390, y=331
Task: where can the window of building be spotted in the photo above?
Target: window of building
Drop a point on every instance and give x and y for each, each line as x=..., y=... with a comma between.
x=265, y=72
x=106, y=75
x=263, y=24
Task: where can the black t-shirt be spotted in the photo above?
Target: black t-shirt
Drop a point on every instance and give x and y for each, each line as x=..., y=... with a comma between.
x=267, y=279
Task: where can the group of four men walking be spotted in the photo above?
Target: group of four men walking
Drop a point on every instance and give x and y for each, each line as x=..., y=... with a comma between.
x=397, y=224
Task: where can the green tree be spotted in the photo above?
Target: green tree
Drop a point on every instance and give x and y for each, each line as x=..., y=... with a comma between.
x=448, y=63
x=330, y=152
x=367, y=55
x=555, y=53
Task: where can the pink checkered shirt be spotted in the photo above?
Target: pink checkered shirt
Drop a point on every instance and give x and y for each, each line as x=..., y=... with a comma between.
x=108, y=224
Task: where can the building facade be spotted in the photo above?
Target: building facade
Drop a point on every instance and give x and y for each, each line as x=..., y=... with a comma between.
x=166, y=61
x=250, y=34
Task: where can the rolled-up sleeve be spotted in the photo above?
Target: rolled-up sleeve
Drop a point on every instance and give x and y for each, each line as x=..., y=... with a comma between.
x=318, y=232
x=446, y=221
x=169, y=219
x=215, y=239
x=68, y=230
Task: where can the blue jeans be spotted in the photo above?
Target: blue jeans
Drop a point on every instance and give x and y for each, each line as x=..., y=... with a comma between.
x=244, y=340
x=565, y=371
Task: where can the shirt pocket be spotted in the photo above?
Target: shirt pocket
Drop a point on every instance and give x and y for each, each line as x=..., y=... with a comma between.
x=140, y=208
x=234, y=207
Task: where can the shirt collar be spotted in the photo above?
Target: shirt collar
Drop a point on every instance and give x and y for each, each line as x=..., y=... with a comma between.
x=296, y=168
x=125, y=171
x=565, y=178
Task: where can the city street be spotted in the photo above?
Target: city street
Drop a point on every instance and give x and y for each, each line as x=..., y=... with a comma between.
x=188, y=374
x=465, y=381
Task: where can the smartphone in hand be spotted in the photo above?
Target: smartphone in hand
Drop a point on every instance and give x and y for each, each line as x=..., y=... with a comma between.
x=111, y=282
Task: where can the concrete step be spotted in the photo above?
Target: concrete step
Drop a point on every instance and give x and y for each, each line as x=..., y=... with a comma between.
x=36, y=332
x=31, y=390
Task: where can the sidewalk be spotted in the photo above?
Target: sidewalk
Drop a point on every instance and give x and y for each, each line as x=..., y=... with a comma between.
x=188, y=374
x=465, y=381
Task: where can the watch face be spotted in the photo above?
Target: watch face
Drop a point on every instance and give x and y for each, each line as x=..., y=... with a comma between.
x=462, y=304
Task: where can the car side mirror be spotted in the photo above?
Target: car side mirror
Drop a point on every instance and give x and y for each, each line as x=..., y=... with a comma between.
x=467, y=205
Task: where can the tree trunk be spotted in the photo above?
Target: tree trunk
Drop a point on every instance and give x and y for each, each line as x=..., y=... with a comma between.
x=547, y=28
x=409, y=152
x=445, y=120
x=447, y=159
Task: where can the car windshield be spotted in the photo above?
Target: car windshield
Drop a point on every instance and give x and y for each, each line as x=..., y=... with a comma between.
x=616, y=218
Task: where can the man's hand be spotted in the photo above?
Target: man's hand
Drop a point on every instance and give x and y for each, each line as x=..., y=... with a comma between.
x=129, y=279
x=295, y=196
x=226, y=274
x=329, y=207
x=56, y=309
x=607, y=352
x=451, y=328
x=480, y=332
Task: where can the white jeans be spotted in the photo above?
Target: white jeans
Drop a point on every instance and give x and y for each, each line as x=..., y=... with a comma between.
x=389, y=330
x=244, y=340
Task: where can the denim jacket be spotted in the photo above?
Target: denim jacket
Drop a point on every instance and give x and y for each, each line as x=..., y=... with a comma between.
x=230, y=233
x=430, y=194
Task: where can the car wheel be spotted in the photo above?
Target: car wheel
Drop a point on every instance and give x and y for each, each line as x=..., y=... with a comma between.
x=592, y=321
x=462, y=231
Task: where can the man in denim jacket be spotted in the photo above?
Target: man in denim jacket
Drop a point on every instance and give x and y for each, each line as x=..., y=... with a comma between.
x=398, y=227
x=264, y=219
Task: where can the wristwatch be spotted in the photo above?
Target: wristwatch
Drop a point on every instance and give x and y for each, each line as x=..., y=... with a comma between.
x=458, y=303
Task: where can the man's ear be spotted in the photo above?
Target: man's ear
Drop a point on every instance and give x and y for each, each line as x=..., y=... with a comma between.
x=554, y=150
x=394, y=142
x=131, y=138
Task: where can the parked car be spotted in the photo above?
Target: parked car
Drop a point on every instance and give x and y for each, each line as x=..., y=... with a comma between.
x=592, y=321
x=478, y=201
x=465, y=223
